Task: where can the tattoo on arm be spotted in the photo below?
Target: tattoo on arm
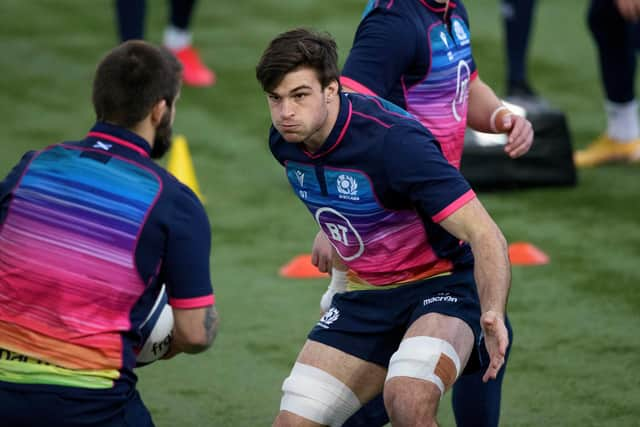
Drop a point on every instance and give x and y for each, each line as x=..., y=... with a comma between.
x=211, y=324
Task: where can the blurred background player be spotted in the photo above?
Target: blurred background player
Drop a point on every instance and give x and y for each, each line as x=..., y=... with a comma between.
x=616, y=31
x=89, y=232
x=177, y=37
x=517, y=17
x=438, y=83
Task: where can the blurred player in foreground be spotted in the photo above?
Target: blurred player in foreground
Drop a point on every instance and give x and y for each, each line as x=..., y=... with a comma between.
x=89, y=232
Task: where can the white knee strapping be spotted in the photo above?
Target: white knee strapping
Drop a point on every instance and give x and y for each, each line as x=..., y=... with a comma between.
x=426, y=358
x=317, y=396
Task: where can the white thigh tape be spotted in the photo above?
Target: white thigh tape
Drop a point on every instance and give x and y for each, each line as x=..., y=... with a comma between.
x=426, y=358
x=317, y=396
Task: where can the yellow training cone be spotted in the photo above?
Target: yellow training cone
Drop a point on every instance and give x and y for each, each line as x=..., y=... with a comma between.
x=181, y=166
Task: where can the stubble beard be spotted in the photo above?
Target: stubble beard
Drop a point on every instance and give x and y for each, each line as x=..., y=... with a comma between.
x=313, y=145
x=162, y=140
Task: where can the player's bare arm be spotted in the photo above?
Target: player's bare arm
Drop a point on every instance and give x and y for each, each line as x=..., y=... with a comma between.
x=492, y=271
x=194, y=330
x=486, y=113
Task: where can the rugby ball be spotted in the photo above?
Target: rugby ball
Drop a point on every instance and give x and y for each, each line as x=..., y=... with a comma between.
x=156, y=331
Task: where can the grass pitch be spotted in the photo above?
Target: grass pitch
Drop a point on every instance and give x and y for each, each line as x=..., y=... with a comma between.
x=577, y=323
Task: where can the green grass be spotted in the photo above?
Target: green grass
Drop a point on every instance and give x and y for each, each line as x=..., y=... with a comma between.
x=576, y=320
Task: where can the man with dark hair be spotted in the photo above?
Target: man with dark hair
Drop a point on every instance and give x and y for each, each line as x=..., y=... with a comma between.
x=90, y=231
x=419, y=310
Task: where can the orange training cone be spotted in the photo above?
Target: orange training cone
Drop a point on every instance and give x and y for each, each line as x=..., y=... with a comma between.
x=300, y=267
x=181, y=166
x=523, y=253
x=520, y=253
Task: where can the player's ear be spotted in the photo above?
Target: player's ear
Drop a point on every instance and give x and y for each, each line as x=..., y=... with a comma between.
x=158, y=110
x=332, y=90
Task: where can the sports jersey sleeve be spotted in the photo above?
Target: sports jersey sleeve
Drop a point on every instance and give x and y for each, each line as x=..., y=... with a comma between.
x=416, y=167
x=383, y=48
x=10, y=181
x=186, y=266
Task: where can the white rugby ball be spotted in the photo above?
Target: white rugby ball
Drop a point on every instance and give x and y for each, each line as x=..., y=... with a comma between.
x=156, y=331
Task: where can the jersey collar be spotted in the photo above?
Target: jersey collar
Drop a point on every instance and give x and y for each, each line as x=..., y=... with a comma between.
x=338, y=131
x=109, y=133
x=435, y=6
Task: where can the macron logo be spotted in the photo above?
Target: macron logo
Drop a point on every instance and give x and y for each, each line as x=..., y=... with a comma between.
x=440, y=298
x=101, y=145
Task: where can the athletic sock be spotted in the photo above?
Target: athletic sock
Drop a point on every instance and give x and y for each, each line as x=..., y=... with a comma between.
x=622, y=121
x=176, y=39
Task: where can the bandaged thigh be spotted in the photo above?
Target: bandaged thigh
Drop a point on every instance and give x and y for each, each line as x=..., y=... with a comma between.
x=426, y=358
x=318, y=396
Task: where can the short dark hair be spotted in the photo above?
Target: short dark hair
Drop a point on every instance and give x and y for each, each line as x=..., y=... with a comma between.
x=300, y=47
x=131, y=79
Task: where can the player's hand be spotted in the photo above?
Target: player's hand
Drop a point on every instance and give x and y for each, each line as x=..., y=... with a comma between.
x=174, y=349
x=519, y=134
x=629, y=9
x=496, y=339
x=171, y=353
x=322, y=252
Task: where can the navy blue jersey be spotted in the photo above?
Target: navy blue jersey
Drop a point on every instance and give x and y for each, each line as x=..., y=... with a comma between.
x=378, y=187
x=408, y=52
x=89, y=231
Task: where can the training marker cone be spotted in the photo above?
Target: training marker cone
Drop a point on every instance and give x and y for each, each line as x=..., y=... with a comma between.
x=300, y=267
x=181, y=166
x=520, y=253
x=523, y=253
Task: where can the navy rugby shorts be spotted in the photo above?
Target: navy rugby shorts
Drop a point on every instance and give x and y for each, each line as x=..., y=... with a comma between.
x=370, y=324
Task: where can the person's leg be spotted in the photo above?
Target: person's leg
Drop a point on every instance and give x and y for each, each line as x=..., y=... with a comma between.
x=178, y=37
x=130, y=16
x=432, y=354
x=326, y=386
x=616, y=41
x=177, y=34
x=475, y=403
x=616, y=50
x=181, y=13
x=443, y=324
x=372, y=414
x=517, y=17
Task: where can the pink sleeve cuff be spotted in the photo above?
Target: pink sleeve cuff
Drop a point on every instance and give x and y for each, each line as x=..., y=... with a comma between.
x=358, y=87
x=198, y=302
x=454, y=206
